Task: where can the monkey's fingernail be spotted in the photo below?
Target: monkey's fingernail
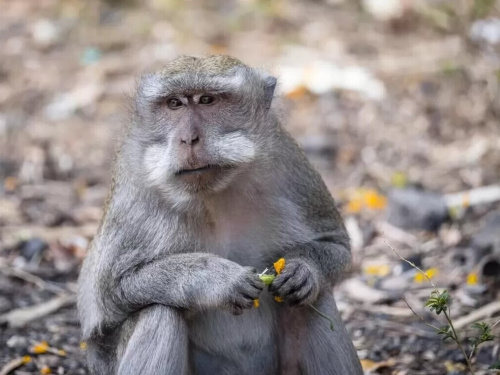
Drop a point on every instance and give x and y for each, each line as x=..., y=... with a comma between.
x=256, y=303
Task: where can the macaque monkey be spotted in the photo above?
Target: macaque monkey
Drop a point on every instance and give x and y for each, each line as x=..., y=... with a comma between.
x=209, y=189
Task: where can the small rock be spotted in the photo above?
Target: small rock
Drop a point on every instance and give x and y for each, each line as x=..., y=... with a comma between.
x=17, y=342
x=321, y=77
x=485, y=31
x=5, y=304
x=464, y=257
x=45, y=33
x=397, y=283
x=384, y=10
x=32, y=248
x=65, y=105
x=416, y=209
x=319, y=146
x=90, y=56
x=487, y=240
x=489, y=267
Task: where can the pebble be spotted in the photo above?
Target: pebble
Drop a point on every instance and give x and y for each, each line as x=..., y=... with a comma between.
x=45, y=33
x=416, y=209
x=32, y=248
x=17, y=342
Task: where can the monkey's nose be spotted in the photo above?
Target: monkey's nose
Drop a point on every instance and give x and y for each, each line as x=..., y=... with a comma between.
x=191, y=139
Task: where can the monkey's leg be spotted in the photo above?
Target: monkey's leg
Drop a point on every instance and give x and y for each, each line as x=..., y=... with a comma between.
x=308, y=346
x=158, y=344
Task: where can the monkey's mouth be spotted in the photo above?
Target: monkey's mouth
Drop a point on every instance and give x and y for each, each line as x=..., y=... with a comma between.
x=200, y=170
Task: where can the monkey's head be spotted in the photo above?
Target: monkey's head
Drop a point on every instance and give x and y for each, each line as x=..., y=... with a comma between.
x=198, y=123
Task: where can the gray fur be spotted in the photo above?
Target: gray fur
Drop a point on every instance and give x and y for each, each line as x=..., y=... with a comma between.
x=169, y=281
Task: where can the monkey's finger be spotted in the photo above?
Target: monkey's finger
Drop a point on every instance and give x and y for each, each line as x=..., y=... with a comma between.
x=257, y=284
x=293, y=285
x=244, y=303
x=300, y=296
x=237, y=311
x=282, y=279
x=251, y=270
x=249, y=297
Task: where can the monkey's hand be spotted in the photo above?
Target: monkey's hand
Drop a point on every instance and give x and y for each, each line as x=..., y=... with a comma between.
x=297, y=284
x=244, y=287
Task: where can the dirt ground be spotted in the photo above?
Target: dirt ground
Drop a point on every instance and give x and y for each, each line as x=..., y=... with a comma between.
x=384, y=99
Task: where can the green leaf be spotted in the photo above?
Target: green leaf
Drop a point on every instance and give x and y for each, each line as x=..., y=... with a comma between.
x=495, y=366
x=438, y=301
x=484, y=334
x=446, y=332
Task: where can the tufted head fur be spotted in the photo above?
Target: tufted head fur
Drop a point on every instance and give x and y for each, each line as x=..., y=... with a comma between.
x=200, y=122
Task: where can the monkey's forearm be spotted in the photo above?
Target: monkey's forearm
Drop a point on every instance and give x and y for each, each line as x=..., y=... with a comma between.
x=194, y=280
x=330, y=254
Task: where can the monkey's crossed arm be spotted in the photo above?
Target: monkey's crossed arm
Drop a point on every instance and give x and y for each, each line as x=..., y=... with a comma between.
x=192, y=281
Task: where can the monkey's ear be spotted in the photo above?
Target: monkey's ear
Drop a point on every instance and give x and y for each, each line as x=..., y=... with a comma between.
x=269, y=87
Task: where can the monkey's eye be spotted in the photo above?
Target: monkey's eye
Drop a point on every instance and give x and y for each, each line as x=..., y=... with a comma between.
x=174, y=103
x=207, y=99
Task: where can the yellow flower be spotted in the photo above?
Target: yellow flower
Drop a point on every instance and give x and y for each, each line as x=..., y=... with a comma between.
x=83, y=345
x=45, y=370
x=256, y=303
x=472, y=278
x=354, y=206
x=26, y=359
x=420, y=278
x=365, y=198
x=40, y=348
x=431, y=272
x=374, y=200
x=278, y=299
x=377, y=270
x=279, y=265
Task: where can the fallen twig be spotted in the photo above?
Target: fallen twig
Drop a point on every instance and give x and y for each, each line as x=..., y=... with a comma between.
x=21, y=317
x=14, y=364
x=479, y=314
x=481, y=195
x=28, y=277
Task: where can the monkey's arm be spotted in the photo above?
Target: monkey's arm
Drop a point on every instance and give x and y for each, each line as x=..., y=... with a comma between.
x=190, y=281
x=329, y=252
x=312, y=266
x=319, y=262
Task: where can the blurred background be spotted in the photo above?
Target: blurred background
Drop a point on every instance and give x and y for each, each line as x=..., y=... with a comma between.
x=396, y=102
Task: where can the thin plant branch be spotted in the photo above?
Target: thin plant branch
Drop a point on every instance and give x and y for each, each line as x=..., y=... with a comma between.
x=418, y=316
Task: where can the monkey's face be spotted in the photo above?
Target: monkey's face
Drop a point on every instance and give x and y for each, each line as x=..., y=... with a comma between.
x=199, y=132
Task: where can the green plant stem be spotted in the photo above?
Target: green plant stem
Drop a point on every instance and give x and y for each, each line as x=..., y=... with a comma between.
x=457, y=340
x=323, y=315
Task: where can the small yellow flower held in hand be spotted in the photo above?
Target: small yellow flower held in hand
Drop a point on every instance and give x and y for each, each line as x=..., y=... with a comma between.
x=267, y=279
x=279, y=265
x=256, y=303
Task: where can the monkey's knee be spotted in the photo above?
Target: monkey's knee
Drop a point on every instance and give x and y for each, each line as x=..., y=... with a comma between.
x=156, y=344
